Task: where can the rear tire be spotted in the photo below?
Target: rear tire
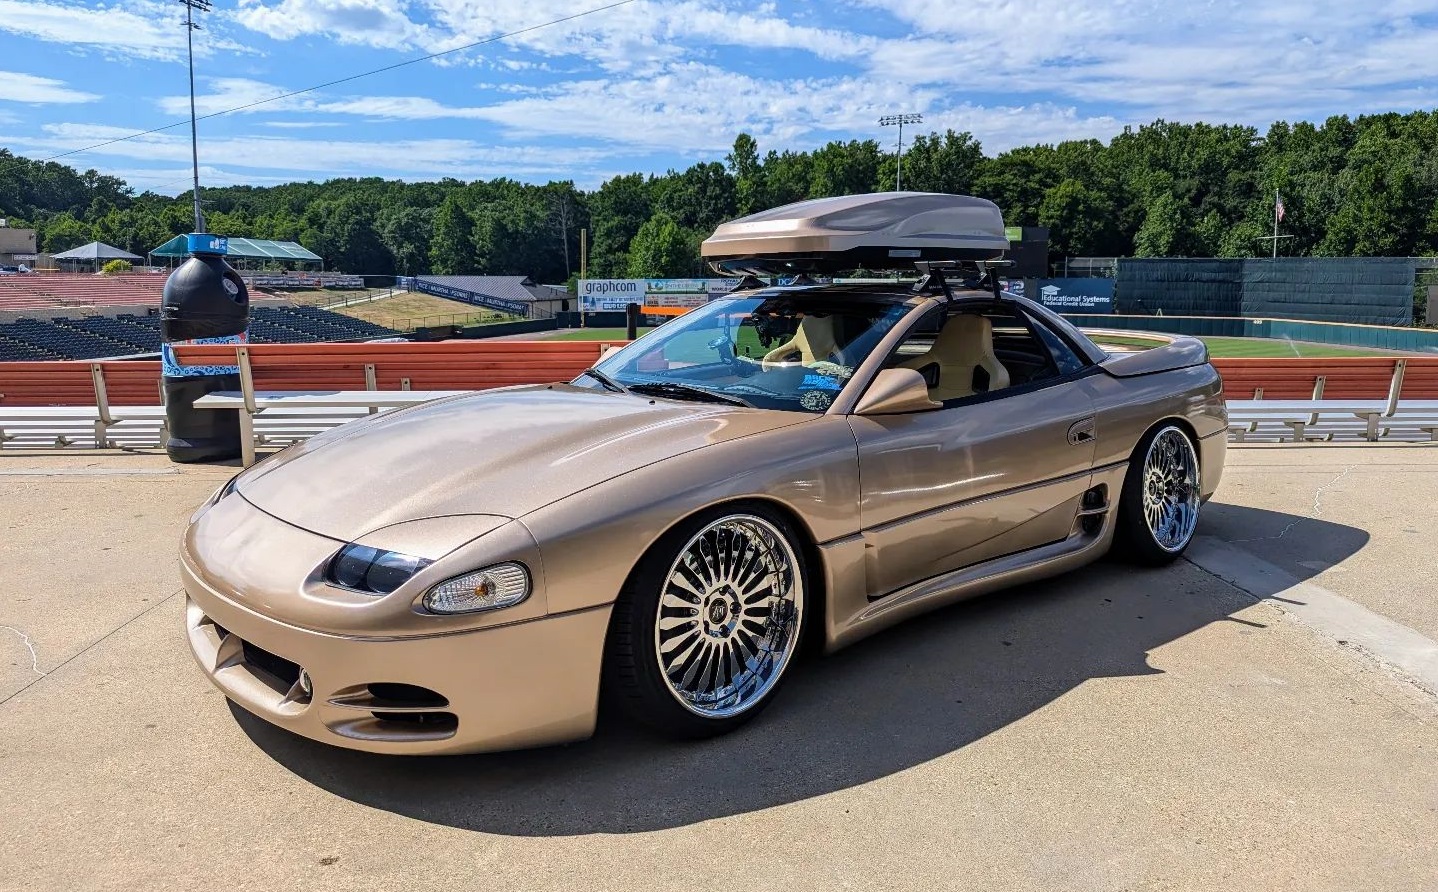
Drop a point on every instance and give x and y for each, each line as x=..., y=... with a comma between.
x=1159, y=506
x=704, y=632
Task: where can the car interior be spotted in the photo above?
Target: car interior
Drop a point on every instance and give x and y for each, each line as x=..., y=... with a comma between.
x=968, y=351
x=813, y=341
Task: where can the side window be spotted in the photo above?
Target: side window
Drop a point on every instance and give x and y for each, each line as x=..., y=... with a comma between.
x=1067, y=361
x=972, y=351
x=919, y=339
x=1023, y=356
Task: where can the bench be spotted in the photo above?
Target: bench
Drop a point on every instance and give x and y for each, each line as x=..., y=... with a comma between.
x=1322, y=419
x=27, y=419
x=69, y=425
x=1342, y=377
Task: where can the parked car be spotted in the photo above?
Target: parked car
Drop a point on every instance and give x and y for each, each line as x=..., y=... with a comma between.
x=781, y=471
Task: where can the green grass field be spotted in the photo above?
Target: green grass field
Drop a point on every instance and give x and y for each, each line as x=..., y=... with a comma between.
x=594, y=334
x=407, y=309
x=1256, y=347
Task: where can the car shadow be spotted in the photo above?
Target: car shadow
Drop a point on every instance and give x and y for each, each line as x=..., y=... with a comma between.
x=908, y=695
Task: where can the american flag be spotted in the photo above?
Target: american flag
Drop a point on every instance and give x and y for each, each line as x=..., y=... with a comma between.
x=1278, y=205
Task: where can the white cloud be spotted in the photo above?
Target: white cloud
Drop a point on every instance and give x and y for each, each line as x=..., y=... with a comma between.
x=677, y=79
x=691, y=108
x=1223, y=60
x=18, y=87
x=239, y=156
x=146, y=29
x=377, y=23
x=301, y=125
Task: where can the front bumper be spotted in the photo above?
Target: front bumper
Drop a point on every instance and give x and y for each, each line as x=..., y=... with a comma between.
x=521, y=685
x=1212, y=451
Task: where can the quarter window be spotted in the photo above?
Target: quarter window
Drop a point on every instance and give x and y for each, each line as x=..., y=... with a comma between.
x=1067, y=361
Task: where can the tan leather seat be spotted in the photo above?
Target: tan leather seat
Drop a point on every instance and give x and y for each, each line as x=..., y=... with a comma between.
x=813, y=342
x=965, y=343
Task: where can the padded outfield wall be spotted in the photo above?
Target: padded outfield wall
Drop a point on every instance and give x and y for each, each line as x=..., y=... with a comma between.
x=1355, y=290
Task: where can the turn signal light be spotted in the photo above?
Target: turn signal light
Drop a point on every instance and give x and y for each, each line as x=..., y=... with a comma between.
x=502, y=585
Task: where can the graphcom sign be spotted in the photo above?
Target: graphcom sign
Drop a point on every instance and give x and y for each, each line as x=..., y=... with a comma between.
x=1075, y=295
x=612, y=295
x=607, y=295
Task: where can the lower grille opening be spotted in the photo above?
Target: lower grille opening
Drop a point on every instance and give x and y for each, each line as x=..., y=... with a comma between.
x=1096, y=498
x=1092, y=509
x=421, y=721
x=283, y=671
x=411, y=695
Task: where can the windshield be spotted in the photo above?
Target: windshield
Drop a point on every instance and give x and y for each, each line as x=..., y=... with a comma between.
x=790, y=351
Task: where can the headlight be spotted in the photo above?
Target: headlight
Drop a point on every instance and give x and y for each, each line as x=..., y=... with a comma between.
x=373, y=570
x=502, y=585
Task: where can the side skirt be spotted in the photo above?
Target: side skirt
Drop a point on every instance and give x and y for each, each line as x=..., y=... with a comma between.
x=852, y=615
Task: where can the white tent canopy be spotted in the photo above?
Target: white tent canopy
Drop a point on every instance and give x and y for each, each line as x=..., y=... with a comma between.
x=96, y=251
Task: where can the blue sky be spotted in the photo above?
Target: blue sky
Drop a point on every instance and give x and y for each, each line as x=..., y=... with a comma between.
x=655, y=84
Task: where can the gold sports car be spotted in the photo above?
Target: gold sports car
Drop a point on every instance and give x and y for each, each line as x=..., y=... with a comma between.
x=781, y=471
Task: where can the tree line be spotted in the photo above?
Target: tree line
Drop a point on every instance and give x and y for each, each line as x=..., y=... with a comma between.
x=1350, y=187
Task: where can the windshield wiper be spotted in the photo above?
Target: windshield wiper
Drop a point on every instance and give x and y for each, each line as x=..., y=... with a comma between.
x=687, y=391
x=608, y=382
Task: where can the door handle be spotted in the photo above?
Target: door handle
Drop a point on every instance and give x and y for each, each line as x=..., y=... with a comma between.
x=1081, y=432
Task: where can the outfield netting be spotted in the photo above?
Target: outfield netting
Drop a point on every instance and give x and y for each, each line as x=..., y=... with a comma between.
x=1358, y=290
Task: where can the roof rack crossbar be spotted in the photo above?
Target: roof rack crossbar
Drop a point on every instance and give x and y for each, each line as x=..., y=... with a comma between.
x=984, y=275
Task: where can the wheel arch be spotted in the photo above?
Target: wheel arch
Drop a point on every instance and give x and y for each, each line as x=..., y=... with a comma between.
x=807, y=544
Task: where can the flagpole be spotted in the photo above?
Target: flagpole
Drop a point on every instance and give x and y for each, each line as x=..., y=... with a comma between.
x=1275, y=224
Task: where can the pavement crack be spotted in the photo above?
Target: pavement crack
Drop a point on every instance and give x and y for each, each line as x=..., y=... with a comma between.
x=92, y=645
x=1313, y=513
x=30, y=646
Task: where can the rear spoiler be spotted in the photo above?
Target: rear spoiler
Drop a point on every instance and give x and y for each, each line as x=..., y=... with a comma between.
x=1173, y=352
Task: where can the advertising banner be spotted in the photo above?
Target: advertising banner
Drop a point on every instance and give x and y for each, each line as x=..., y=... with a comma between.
x=303, y=280
x=518, y=308
x=1075, y=295
x=611, y=295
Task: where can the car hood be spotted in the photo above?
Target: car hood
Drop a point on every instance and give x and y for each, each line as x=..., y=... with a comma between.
x=501, y=452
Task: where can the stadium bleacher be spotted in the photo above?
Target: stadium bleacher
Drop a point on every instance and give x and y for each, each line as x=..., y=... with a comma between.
x=94, y=337
x=42, y=292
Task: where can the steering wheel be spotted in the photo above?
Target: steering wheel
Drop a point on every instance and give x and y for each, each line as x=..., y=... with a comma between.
x=727, y=354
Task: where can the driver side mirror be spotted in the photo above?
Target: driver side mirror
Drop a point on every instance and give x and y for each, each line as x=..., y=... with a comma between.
x=896, y=392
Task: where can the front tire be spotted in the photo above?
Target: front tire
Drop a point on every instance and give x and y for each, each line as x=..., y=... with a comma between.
x=704, y=632
x=1158, y=509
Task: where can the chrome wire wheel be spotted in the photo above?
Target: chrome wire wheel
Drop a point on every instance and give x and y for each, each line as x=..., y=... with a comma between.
x=730, y=612
x=1171, y=489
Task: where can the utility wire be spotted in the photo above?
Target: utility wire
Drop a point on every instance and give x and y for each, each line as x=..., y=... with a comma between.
x=352, y=77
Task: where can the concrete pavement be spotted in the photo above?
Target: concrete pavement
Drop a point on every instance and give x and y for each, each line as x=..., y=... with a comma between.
x=1113, y=729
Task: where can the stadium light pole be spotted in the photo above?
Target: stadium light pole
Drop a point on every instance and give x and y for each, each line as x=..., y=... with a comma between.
x=191, y=26
x=901, y=120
